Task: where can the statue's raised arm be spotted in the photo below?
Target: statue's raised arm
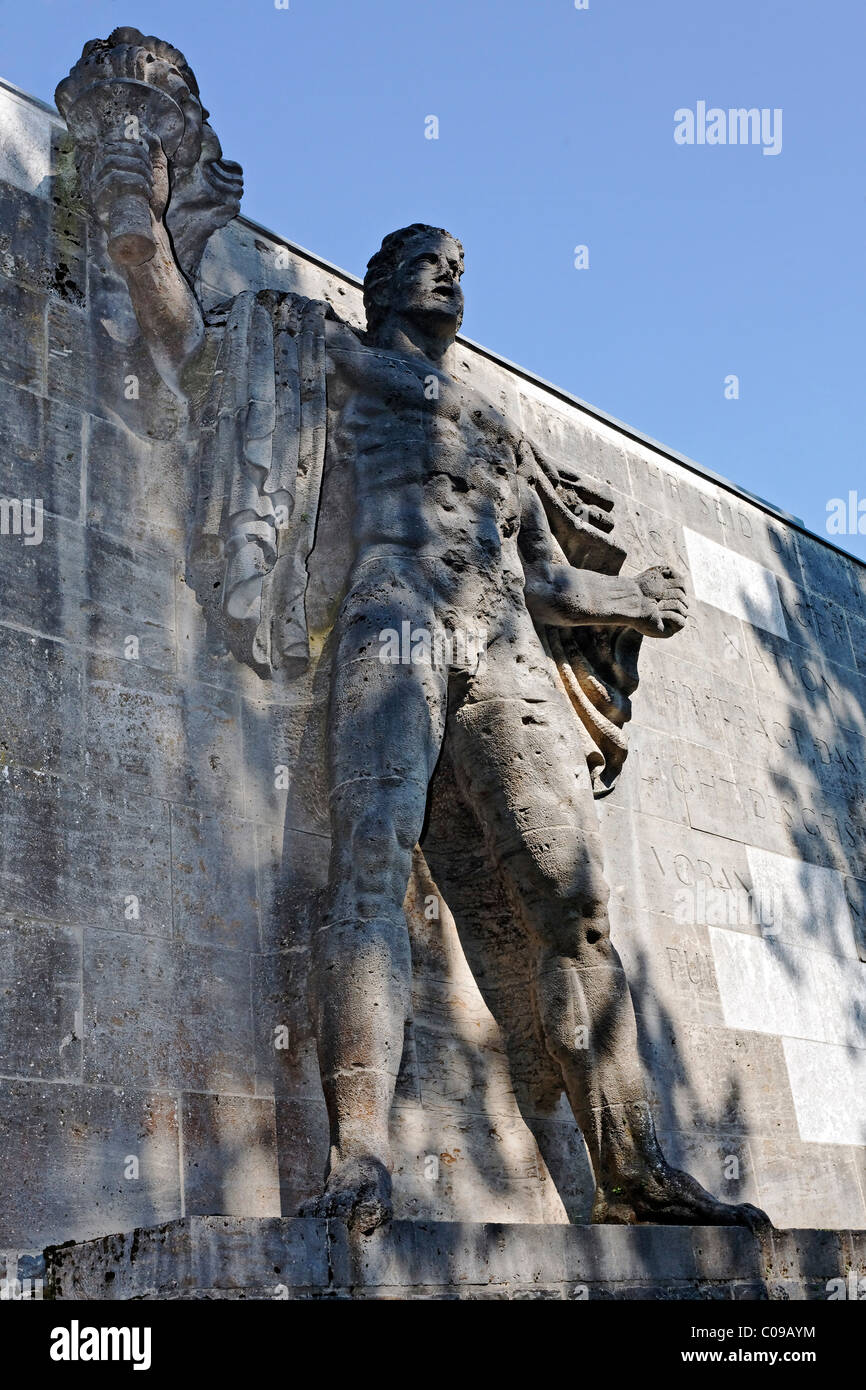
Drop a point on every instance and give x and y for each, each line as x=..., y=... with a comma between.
x=152, y=173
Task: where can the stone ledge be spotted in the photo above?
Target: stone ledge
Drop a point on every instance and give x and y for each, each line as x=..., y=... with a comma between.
x=223, y=1257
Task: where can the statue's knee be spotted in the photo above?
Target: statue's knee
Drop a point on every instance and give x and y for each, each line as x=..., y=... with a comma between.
x=369, y=818
x=374, y=949
x=375, y=860
x=372, y=859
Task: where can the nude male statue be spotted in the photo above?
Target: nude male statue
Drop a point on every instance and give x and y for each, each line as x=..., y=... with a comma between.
x=450, y=534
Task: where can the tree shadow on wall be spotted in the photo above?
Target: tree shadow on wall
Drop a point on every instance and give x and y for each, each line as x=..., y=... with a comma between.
x=800, y=769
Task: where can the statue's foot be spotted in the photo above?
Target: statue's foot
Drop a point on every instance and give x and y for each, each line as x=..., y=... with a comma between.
x=358, y=1191
x=669, y=1196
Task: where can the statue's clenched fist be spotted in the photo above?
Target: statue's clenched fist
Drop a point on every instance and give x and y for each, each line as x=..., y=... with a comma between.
x=664, y=591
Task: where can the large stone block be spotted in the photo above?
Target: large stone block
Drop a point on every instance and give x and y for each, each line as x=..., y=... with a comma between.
x=735, y=583
x=81, y=1159
x=134, y=493
x=41, y=1025
x=76, y=854
x=229, y=1156
x=154, y=734
x=42, y=715
x=23, y=358
x=828, y=573
x=41, y=451
x=42, y=246
x=828, y=1080
x=214, y=885
x=90, y=589
x=816, y=1183
x=717, y=1081
x=165, y=1015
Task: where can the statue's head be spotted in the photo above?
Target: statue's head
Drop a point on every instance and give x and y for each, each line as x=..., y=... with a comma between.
x=416, y=275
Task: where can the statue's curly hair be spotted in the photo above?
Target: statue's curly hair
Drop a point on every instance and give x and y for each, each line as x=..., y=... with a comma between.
x=383, y=264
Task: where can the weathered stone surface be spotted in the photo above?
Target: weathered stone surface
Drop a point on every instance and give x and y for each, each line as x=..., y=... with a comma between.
x=156, y=735
x=820, y=1181
x=25, y=144
x=738, y=585
x=133, y=493
x=214, y=884
x=40, y=1000
x=89, y=590
x=227, y=1258
x=72, y=852
x=81, y=1159
x=41, y=246
x=202, y=1253
x=23, y=358
x=191, y=1004
x=40, y=450
x=230, y=1156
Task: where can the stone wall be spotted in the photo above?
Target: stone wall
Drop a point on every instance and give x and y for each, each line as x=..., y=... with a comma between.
x=157, y=883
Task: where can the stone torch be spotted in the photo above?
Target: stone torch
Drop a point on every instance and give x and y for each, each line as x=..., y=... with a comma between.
x=129, y=87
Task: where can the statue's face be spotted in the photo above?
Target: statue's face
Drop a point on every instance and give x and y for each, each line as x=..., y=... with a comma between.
x=426, y=283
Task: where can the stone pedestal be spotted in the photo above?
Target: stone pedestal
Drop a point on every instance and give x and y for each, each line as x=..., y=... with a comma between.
x=221, y=1257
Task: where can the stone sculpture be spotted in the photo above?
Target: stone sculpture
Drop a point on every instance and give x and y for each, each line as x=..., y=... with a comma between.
x=461, y=531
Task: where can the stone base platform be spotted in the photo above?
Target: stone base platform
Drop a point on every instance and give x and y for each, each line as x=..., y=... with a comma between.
x=222, y=1257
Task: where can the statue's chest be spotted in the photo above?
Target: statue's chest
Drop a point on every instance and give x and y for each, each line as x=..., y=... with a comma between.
x=422, y=422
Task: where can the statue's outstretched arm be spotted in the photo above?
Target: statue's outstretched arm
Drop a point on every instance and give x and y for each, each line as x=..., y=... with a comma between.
x=653, y=603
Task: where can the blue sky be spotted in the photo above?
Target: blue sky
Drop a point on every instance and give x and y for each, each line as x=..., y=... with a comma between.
x=556, y=129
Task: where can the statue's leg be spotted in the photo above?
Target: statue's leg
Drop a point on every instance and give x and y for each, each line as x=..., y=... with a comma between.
x=520, y=765
x=385, y=732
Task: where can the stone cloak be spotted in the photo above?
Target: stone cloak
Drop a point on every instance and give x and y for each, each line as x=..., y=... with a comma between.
x=260, y=460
